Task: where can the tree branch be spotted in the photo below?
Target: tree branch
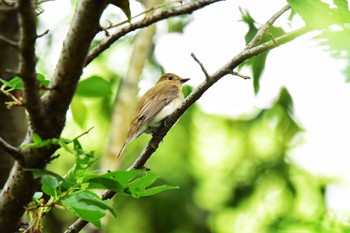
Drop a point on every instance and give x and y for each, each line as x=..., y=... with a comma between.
x=262, y=30
x=14, y=152
x=207, y=76
x=192, y=98
x=27, y=22
x=185, y=9
x=199, y=91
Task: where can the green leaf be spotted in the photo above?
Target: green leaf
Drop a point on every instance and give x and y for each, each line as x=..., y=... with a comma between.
x=79, y=111
x=84, y=159
x=285, y=100
x=116, y=181
x=42, y=80
x=15, y=83
x=318, y=14
x=37, y=196
x=93, y=87
x=88, y=206
x=50, y=181
x=49, y=185
x=140, y=186
x=157, y=189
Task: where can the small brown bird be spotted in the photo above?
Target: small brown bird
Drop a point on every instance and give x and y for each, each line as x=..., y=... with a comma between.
x=155, y=105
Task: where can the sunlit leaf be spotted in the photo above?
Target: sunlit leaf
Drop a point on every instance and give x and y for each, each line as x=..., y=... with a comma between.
x=318, y=14
x=79, y=111
x=93, y=87
x=37, y=195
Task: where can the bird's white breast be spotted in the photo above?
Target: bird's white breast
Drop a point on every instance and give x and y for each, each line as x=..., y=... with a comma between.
x=166, y=111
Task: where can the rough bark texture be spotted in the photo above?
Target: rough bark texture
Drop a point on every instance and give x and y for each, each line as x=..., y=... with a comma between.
x=13, y=122
x=21, y=186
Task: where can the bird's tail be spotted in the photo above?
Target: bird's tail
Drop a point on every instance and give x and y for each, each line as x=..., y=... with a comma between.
x=123, y=148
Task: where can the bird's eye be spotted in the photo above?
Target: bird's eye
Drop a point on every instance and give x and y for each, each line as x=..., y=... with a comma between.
x=170, y=78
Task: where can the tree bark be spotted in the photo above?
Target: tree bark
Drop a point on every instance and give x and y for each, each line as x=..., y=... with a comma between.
x=13, y=123
x=20, y=186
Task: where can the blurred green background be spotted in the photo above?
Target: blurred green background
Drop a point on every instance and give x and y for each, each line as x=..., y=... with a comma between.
x=234, y=173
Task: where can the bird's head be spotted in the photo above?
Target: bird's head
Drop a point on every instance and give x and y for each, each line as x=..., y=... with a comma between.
x=169, y=77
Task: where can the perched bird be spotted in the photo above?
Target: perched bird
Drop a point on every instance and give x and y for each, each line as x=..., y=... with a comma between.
x=155, y=105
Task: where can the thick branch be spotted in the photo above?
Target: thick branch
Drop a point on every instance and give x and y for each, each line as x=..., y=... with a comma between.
x=83, y=29
x=185, y=9
x=20, y=186
x=27, y=21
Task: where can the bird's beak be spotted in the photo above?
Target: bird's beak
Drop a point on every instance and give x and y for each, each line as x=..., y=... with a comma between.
x=184, y=80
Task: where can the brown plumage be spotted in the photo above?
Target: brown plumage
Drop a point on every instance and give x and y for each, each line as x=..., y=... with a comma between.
x=155, y=105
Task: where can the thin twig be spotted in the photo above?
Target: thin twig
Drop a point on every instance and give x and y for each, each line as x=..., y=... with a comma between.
x=262, y=30
x=207, y=76
x=14, y=152
x=238, y=74
x=43, y=33
x=82, y=134
x=185, y=9
x=153, y=8
x=15, y=101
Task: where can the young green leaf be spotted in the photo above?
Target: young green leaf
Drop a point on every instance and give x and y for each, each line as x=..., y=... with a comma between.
x=140, y=186
x=15, y=83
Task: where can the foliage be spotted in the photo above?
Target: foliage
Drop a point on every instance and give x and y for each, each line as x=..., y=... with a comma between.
x=75, y=190
x=333, y=23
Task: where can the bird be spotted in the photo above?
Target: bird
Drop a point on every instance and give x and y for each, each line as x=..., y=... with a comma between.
x=155, y=105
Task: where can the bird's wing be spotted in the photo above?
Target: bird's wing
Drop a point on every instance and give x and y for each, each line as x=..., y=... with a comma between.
x=156, y=102
x=150, y=104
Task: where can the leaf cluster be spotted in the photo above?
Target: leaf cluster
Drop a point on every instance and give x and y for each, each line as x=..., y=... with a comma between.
x=75, y=190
